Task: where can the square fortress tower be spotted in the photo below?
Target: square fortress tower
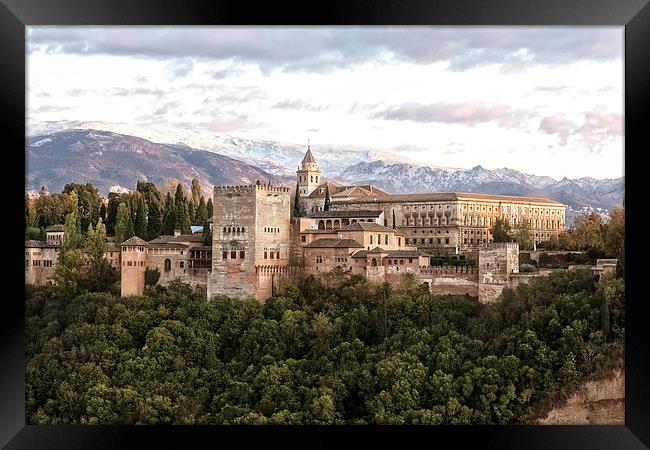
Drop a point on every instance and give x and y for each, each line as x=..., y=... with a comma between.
x=250, y=240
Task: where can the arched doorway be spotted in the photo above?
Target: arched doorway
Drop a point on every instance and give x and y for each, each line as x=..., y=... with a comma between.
x=374, y=262
x=168, y=265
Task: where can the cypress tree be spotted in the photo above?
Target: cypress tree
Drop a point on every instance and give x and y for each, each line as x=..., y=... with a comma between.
x=122, y=224
x=604, y=317
x=296, y=203
x=169, y=216
x=185, y=223
x=140, y=225
x=394, y=219
x=154, y=220
x=191, y=209
x=102, y=212
x=327, y=198
x=196, y=191
x=201, y=214
x=209, y=208
x=179, y=199
x=111, y=212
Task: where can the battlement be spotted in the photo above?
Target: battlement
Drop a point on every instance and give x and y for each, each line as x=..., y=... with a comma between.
x=511, y=245
x=249, y=189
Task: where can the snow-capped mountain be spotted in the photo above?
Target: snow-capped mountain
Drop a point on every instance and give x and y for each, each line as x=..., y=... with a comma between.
x=109, y=159
x=405, y=178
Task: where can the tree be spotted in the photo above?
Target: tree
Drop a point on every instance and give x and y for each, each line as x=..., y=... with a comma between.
x=501, y=230
x=88, y=202
x=209, y=207
x=394, y=222
x=169, y=216
x=614, y=232
x=123, y=226
x=328, y=200
x=297, y=210
x=140, y=225
x=67, y=274
x=114, y=200
x=179, y=200
x=201, y=214
x=185, y=223
x=102, y=212
x=100, y=276
x=523, y=235
x=196, y=191
x=154, y=220
x=151, y=276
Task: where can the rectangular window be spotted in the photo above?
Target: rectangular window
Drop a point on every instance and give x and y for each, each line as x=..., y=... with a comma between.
x=439, y=241
x=277, y=255
x=410, y=260
x=242, y=254
x=303, y=238
x=386, y=239
x=265, y=255
x=319, y=259
x=272, y=254
x=430, y=241
x=27, y=263
x=182, y=264
x=446, y=240
x=129, y=263
x=233, y=255
x=224, y=255
x=399, y=242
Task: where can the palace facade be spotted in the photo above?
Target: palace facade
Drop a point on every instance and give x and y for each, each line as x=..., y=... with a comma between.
x=357, y=229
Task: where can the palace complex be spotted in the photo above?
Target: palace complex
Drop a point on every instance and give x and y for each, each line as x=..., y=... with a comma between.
x=259, y=236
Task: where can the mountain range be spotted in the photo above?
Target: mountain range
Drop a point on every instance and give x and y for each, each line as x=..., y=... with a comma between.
x=114, y=161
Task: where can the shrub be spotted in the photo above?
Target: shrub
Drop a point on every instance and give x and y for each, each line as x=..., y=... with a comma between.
x=525, y=267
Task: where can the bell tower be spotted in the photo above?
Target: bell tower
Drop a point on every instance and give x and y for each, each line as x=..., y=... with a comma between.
x=308, y=174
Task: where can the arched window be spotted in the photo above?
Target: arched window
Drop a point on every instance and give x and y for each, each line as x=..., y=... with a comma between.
x=242, y=229
x=168, y=265
x=374, y=262
x=224, y=230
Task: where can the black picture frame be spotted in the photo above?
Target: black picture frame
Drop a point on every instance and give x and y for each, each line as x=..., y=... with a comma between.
x=634, y=15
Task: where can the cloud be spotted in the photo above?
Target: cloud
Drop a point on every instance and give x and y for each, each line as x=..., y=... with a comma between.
x=467, y=113
x=230, y=123
x=322, y=49
x=129, y=92
x=50, y=108
x=598, y=127
x=178, y=69
x=299, y=104
x=78, y=92
x=165, y=108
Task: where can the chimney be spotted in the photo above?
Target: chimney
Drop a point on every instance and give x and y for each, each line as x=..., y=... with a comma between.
x=177, y=232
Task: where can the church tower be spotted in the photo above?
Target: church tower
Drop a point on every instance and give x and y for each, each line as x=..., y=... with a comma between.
x=308, y=174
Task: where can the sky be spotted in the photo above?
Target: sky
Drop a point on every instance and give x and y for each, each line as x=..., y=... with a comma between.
x=541, y=100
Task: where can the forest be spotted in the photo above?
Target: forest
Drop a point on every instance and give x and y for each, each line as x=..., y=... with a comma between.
x=352, y=353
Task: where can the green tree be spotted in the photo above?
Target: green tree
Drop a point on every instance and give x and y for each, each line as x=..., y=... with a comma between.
x=140, y=225
x=123, y=226
x=523, y=235
x=501, y=230
x=169, y=216
x=328, y=200
x=201, y=214
x=185, y=222
x=196, y=191
x=209, y=207
x=297, y=210
x=154, y=220
x=72, y=258
x=88, y=202
x=114, y=200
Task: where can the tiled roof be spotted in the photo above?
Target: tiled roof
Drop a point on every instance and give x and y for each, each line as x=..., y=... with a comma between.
x=448, y=196
x=309, y=158
x=377, y=250
x=135, y=240
x=345, y=214
x=166, y=245
x=55, y=228
x=334, y=243
x=360, y=254
x=39, y=244
x=405, y=254
x=366, y=226
x=181, y=238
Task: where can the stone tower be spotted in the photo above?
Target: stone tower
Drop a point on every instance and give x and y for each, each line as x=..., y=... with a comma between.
x=250, y=240
x=496, y=263
x=134, y=255
x=308, y=174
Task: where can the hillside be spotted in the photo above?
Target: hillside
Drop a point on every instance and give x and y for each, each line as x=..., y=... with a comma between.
x=108, y=159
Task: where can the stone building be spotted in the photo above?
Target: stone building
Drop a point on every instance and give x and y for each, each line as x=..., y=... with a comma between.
x=441, y=222
x=251, y=237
